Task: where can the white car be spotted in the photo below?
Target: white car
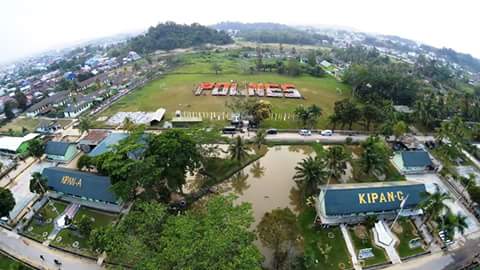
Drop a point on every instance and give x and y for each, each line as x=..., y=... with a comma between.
x=305, y=132
x=326, y=132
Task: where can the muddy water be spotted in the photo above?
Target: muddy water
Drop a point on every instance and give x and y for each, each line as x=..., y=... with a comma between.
x=268, y=184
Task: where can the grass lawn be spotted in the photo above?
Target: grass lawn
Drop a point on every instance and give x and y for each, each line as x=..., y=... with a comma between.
x=316, y=240
x=31, y=124
x=68, y=237
x=367, y=242
x=390, y=175
x=17, y=124
x=36, y=231
x=408, y=233
x=175, y=90
x=9, y=264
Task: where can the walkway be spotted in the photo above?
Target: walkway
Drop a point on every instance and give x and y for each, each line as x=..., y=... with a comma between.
x=29, y=251
x=59, y=222
x=384, y=238
x=351, y=250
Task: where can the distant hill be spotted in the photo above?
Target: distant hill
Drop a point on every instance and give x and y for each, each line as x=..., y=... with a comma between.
x=271, y=33
x=169, y=36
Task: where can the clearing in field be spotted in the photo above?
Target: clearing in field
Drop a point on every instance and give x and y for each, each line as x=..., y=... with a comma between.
x=175, y=91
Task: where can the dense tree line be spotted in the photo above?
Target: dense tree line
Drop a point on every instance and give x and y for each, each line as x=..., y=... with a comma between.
x=168, y=36
x=391, y=81
x=286, y=36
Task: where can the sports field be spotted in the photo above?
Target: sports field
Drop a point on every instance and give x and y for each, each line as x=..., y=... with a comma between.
x=175, y=90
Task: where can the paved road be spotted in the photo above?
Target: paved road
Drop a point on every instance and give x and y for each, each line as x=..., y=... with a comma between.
x=30, y=251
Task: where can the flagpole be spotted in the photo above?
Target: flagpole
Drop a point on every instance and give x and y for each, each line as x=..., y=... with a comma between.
x=402, y=204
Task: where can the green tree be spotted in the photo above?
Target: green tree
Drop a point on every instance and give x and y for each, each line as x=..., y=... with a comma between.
x=278, y=230
x=449, y=223
x=85, y=162
x=36, y=148
x=346, y=112
x=38, y=183
x=85, y=226
x=21, y=99
x=7, y=202
x=375, y=156
x=260, y=110
x=238, y=149
x=308, y=116
x=370, y=114
x=309, y=173
x=259, y=139
x=8, y=109
x=293, y=67
x=312, y=58
x=399, y=129
x=474, y=193
x=217, y=237
x=128, y=125
x=433, y=205
x=85, y=124
x=177, y=153
x=336, y=161
x=216, y=68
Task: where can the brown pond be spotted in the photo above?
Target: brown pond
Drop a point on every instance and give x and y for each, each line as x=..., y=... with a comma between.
x=268, y=184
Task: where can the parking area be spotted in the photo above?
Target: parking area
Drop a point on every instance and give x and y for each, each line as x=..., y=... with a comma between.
x=20, y=187
x=432, y=182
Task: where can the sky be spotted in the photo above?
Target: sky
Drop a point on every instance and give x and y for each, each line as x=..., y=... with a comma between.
x=32, y=26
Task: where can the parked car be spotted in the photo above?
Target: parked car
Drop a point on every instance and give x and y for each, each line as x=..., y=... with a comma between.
x=272, y=131
x=305, y=132
x=326, y=132
x=229, y=130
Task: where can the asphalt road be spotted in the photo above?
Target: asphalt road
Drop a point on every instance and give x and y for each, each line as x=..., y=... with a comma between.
x=30, y=251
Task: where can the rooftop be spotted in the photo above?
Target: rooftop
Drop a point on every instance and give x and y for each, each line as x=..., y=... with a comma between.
x=56, y=148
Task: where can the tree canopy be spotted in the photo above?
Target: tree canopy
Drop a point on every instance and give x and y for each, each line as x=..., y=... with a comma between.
x=214, y=237
x=7, y=202
x=169, y=36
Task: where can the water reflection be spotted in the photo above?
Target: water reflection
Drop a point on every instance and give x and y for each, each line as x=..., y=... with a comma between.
x=239, y=182
x=257, y=169
x=269, y=185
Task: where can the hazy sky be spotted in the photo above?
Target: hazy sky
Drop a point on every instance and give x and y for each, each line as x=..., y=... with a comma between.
x=29, y=26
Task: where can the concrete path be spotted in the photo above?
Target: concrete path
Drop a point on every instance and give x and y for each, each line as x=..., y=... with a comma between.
x=384, y=238
x=70, y=211
x=351, y=250
x=29, y=251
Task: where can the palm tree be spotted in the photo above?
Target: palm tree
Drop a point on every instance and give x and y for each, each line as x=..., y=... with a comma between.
x=85, y=124
x=38, y=183
x=310, y=172
x=433, y=204
x=128, y=124
x=259, y=139
x=238, y=149
x=375, y=156
x=337, y=159
x=451, y=222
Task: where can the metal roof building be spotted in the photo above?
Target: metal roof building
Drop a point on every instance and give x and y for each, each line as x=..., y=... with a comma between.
x=346, y=202
x=84, y=185
x=12, y=144
x=104, y=146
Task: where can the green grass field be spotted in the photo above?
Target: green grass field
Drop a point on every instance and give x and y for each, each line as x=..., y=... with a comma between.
x=31, y=124
x=335, y=254
x=37, y=231
x=358, y=243
x=175, y=90
x=68, y=237
x=408, y=233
